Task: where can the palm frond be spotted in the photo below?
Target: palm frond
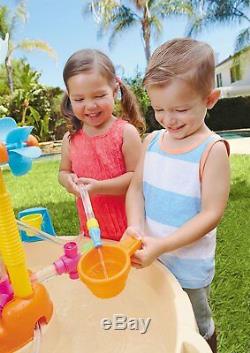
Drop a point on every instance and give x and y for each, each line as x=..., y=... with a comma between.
x=157, y=27
x=164, y=8
x=243, y=39
x=123, y=20
x=20, y=15
x=4, y=26
x=196, y=25
x=102, y=10
x=30, y=45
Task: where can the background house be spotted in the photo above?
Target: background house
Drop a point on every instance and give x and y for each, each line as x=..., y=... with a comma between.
x=232, y=75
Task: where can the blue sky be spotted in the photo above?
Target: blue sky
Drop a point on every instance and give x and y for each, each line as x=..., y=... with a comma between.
x=61, y=24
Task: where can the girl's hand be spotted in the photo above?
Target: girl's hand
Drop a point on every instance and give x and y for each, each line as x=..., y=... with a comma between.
x=70, y=183
x=151, y=249
x=92, y=185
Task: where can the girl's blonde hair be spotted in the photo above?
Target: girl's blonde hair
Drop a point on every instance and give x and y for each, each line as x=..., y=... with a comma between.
x=90, y=59
x=183, y=58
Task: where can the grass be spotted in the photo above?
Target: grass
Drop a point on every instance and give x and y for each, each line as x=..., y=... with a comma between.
x=230, y=289
x=231, y=286
x=40, y=188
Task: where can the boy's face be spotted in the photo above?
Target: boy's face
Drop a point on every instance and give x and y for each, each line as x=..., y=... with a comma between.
x=179, y=108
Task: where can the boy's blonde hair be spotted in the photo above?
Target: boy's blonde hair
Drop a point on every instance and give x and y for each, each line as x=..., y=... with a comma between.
x=184, y=58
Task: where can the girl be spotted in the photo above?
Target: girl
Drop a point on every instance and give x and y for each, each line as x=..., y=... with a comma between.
x=100, y=150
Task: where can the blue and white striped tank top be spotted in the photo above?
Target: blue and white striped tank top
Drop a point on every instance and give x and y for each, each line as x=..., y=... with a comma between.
x=172, y=193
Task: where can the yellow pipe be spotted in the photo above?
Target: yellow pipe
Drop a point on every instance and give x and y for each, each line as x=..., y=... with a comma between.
x=11, y=247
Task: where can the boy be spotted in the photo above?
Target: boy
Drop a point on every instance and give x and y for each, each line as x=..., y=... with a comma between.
x=180, y=188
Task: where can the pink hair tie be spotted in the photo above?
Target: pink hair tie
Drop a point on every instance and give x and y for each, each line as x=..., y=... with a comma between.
x=118, y=80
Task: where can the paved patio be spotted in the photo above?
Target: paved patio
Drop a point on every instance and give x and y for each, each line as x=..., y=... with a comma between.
x=240, y=146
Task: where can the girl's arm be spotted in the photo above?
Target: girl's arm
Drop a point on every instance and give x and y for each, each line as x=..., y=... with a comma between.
x=134, y=197
x=131, y=151
x=65, y=176
x=214, y=195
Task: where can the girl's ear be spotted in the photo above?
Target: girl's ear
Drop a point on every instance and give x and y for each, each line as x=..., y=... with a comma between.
x=115, y=93
x=213, y=98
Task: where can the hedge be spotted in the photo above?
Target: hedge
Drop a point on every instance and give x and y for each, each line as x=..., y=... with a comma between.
x=227, y=114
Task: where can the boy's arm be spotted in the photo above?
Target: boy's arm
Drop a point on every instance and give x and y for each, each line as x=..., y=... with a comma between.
x=214, y=195
x=131, y=150
x=65, y=176
x=134, y=197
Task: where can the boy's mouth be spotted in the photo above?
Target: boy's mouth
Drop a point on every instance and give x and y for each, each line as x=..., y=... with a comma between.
x=175, y=129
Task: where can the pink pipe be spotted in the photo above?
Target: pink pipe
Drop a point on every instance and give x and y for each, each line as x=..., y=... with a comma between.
x=68, y=262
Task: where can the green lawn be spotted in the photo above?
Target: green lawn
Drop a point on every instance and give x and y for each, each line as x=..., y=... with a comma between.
x=231, y=287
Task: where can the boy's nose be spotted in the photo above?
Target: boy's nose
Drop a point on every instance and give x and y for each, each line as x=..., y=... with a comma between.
x=169, y=119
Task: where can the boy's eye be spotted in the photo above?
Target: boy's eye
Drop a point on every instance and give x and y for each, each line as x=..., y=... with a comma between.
x=158, y=110
x=181, y=110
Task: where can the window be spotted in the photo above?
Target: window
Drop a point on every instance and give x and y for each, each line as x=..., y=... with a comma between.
x=219, y=80
x=235, y=73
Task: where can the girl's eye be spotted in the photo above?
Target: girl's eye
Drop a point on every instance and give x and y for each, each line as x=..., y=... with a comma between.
x=181, y=110
x=158, y=110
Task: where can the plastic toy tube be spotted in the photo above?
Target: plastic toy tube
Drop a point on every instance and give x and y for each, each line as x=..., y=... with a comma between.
x=92, y=224
x=41, y=234
x=66, y=263
x=37, y=338
x=2, y=269
x=11, y=247
x=44, y=274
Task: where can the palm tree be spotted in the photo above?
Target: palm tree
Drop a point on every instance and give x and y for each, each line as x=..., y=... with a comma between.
x=8, y=25
x=231, y=11
x=118, y=16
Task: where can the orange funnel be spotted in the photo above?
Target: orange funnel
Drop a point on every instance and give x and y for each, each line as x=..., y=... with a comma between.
x=116, y=259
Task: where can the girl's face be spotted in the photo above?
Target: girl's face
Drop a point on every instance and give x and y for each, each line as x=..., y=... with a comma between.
x=91, y=97
x=179, y=108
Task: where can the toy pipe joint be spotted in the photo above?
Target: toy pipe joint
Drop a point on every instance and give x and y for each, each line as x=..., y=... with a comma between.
x=94, y=231
x=69, y=261
x=6, y=293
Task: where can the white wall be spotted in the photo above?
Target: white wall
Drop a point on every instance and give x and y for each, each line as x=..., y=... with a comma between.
x=224, y=69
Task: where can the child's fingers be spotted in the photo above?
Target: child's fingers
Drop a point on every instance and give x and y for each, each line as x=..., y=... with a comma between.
x=74, y=178
x=134, y=232
x=135, y=262
x=84, y=181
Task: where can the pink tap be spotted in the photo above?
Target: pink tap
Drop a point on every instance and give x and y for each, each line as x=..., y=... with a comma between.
x=6, y=292
x=68, y=262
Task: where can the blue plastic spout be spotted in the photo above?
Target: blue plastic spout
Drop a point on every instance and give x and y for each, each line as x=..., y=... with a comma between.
x=95, y=235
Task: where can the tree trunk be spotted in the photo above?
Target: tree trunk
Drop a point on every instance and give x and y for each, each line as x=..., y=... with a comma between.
x=147, y=50
x=8, y=67
x=146, y=32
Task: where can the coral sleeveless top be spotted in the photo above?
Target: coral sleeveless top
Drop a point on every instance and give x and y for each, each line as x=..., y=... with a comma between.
x=100, y=157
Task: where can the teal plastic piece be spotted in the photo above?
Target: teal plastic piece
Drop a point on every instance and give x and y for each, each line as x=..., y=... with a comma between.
x=87, y=246
x=47, y=225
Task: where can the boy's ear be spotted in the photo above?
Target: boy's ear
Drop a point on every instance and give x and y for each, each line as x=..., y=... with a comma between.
x=213, y=98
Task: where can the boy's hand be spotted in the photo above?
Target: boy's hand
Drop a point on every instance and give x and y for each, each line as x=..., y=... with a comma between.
x=92, y=185
x=133, y=231
x=151, y=249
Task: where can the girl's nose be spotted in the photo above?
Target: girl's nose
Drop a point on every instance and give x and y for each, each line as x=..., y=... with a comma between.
x=90, y=105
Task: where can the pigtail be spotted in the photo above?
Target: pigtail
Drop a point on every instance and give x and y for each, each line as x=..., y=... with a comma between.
x=130, y=108
x=73, y=124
